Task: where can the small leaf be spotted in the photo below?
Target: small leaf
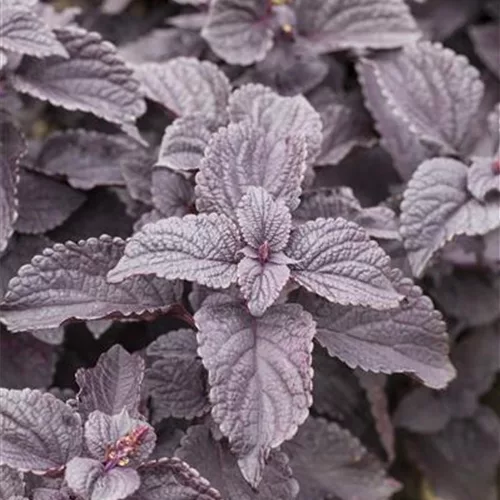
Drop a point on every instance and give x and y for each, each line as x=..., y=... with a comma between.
x=256, y=406
x=11, y=483
x=409, y=339
x=87, y=159
x=336, y=259
x=172, y=478
x=68, y=282
x=436, y=208
x=44, y=203
x=87, y=477
x=281, y=117
x=198, y=248
x=113, y=384
x=243, y=155
x=186, y=85
x=461, y=461
x=94, y=79
x=13, y=148
x=172, y=194
x=214, y=459
x=39, y=432
x=333, y=25
x=176, y=378
x=23, y=32
x=483, y=178
x=329, y=462
x=239, y=31
x=184, y=142
x=477, y=360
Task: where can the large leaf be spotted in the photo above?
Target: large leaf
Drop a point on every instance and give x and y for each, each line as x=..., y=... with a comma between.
x=433, y=92
x=93, y=79
x=336, y=259
x=173, y=478
x=330, y=462
x=13, y=148
x=113, y=384
x=176, y=378
x=44, y=203
x=239, y=31
x=461, y=461
x=68, y=282
x=39, y=432
x=409, y=339
x=24, y=32
x=87, y=159
x=259, y=371
x=216, y=462
x=437, y=207
x=332, y=25
x=198, y=248
x=244, y=155
x=279, y=116
x=477, y=360
x=186, y=85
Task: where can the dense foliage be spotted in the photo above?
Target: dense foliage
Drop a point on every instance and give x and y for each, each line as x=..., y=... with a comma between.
x=250, y=250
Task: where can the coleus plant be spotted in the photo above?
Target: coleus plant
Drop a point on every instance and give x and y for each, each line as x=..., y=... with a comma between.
x=232, y=218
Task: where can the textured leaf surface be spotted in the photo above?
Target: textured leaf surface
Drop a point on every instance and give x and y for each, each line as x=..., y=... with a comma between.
x=172, y=194
x=176, y=378
x=39, y=432
x=329, y=462
x=333, y=25
x=336, y=259
x=25, y=361
x=244, y=155
x=87, y=477
x=184, y=142
x=24, y=32
x=113, y=384
x=185, y=85
x=260, y=376
x=409, y=339
x=239, y=31
x=68, y=282
x=11, y=483
x=13, y=148
x=483, y=178
x=173, y=478
x=93, y=79
x=461, y=461
x=44, y=203
x=477, y=360
x=437, y=207
x=279, y=116
x=432, y=90
x=198, y=248
x=216, y=462
x=86, y=159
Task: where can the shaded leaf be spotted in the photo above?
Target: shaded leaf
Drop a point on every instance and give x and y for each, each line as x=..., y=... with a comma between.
x=113, y=384
x=176, y=378
x=334, y=25
x=336, y=259
x=409, y=339
x=44, y=203
x=436, y=208
x=198, y=248
x=39, y=432
x=329, y=462
x=214, y=459
x=259, y=373
x=94, y=79
x=11, y=483
x=68, y=282
x=172, y=194
x=244, y=155
x=485, y=40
